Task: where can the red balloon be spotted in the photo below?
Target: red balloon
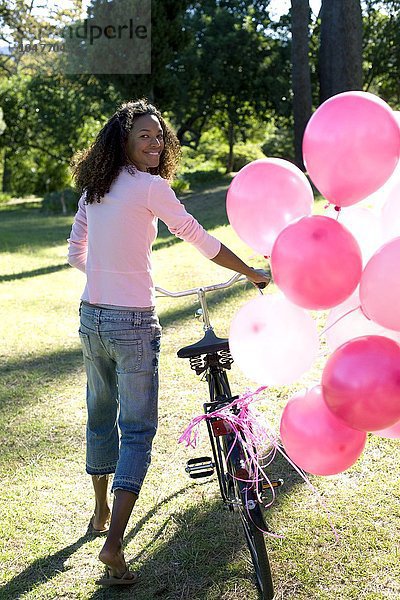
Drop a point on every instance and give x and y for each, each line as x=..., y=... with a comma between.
x=315, y=439
x=316, y=262
x=361, y=382
x=351, y=146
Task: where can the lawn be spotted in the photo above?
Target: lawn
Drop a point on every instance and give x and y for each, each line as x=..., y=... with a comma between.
x=184, y=543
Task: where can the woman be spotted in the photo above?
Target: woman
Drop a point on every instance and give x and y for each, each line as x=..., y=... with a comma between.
x=124, y=178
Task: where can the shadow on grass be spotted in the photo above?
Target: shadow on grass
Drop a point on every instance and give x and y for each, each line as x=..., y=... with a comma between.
x=56, y=363
x=204, y=550
x=47, y=567
x=40, y=571
x=28, y=228
x=204, y=544
x=23, y=378
x=200, y=546
x=34, y=272
x=280, y=468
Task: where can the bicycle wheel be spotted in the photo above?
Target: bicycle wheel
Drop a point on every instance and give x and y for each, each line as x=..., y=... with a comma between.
x=231, y=456
x=256, y=543
x=252, y=521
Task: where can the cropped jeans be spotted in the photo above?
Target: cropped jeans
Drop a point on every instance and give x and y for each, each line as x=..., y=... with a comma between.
x=121, y=351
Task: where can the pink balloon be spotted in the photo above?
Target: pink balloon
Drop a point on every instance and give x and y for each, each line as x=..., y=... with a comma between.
x=366, y=228
x=351, y=146
x=263, y=198
x=380, y=286
x=392, y=432
x=315, y=439
x=347, y=321
x=316, y=262
x=272, y=341
x=361, y=382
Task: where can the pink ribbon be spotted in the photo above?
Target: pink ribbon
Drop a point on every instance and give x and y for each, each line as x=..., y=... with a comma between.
x=257, y=433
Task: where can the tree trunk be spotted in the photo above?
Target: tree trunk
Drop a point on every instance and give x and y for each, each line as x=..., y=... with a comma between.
x=150, y=94
x=340, y=53
x=231, y=141
x=6, y=183
x=193, y=125
x=301, y=79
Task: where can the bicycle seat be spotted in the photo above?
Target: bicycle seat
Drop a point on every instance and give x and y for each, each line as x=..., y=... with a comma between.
x=209, y=344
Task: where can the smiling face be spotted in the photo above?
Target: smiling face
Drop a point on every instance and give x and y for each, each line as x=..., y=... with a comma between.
x=145, y=142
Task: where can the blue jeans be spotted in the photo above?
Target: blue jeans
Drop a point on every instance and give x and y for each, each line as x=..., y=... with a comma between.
x=121, y=351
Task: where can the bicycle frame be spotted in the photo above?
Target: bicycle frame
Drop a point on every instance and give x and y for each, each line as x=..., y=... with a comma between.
x=220, y=395
x=225, y=445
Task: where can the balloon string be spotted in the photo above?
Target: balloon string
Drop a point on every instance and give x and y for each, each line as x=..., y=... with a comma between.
x=254, y=431
x=339, y=319
x=337, y=208
x=314, y=490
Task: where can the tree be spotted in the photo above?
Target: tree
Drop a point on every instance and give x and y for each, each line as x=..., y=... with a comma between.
x=301, y=80
x=381, y=49
x=340, y=54
x=17, y=23
x=223, y=72
x=48, y=119
x=22, y=26
x=168, y=40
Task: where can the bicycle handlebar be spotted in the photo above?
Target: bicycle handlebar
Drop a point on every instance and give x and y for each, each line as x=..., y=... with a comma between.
x=207, y=288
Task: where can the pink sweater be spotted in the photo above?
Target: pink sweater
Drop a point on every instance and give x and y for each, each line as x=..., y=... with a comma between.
x=111, y=241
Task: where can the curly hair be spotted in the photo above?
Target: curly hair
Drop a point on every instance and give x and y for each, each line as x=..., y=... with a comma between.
x=95, y=168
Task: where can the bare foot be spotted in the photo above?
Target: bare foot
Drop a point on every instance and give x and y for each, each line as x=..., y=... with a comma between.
x=115, y=561
x=101, y=519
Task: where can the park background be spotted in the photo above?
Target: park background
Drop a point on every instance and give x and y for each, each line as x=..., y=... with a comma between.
x=238, y=80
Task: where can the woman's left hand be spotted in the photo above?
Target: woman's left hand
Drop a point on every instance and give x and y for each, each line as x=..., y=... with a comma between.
x=260, y=277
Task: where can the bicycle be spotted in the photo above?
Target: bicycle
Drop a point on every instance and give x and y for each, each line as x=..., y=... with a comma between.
x=211, y=358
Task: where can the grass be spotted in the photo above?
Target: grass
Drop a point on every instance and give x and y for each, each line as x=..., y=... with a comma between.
x=184, y=543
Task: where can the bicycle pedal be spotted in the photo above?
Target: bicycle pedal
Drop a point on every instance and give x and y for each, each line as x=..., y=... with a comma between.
x=275, y=483
x=200, y=467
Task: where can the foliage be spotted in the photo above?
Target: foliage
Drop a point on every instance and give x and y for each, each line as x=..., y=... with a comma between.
x=168, y=38
x=246, y=152
x=202, y=165
x=17, y=23
x=381, y=52
x=279, y=139
x=205, y=163
x=241, y=82
x=4, y=197
x=64, y=201
x=180, y=185
x=221, y=72
x=48, y=119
